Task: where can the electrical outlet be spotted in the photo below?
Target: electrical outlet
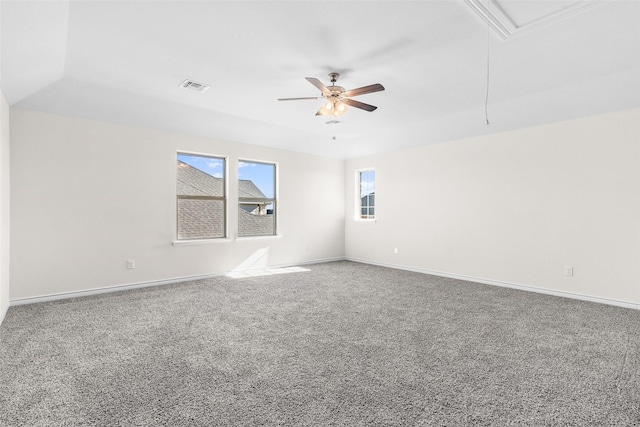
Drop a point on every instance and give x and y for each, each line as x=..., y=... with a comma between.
x=568, y=270
x=131, y=264
x=395, y=251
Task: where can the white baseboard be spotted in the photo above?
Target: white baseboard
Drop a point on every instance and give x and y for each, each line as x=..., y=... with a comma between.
x=125, y=287
x=317, y=261
x=572, y=295
x=104, y=290
x=97, y=291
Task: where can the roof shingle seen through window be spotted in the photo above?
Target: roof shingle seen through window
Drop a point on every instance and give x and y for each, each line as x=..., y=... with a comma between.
x=194, y=182
x=246, y=188
x=202, y=219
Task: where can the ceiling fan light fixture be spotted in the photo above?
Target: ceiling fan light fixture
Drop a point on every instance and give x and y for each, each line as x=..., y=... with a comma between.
x=339, y=109
x=336, y=98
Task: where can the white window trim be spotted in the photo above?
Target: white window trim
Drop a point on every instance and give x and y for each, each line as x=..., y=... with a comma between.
x=357, y=199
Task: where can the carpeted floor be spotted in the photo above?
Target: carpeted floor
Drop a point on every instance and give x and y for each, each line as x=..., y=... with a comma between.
x=344, y=344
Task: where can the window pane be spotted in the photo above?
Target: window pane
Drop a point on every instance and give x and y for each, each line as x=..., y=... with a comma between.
x=200, y=175
x=200, y=219
x=367, y=182
x=252, y=224
x=256, y=197
x=260, y=176
x=367, y=193
x=200, y=189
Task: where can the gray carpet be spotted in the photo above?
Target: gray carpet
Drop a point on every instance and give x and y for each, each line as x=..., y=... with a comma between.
x=345, y=344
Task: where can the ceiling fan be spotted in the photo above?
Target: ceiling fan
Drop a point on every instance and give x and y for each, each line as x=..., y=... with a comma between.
x=337, y=98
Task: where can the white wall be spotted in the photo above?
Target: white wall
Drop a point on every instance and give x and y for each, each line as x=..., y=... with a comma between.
x=513, y=208
x=86, y=196
x=4, y=206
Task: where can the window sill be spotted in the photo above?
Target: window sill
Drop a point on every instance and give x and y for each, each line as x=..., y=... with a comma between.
x=271, y=236
x=366, y=221
x=199, y=241
x=225, y=239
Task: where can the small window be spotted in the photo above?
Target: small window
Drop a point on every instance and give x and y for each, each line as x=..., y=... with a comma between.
x=201, y=197
x=366, y=194
x=256, y=198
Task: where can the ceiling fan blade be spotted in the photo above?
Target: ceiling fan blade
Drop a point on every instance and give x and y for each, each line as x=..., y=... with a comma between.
x=361, y=105
x=365, y=89
x=299, y=99
x=317, y=83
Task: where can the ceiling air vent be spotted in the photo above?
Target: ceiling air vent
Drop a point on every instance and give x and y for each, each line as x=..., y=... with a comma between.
x=194, y=86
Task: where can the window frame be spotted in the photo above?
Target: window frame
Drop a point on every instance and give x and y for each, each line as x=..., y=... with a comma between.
x=358, y=201
x=223, y=198
x=248, y=200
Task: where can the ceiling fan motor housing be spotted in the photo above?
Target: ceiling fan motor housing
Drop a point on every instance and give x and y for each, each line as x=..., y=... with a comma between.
x=336, y=91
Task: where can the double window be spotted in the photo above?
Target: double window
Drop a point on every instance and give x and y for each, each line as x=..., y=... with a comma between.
x=202, y=197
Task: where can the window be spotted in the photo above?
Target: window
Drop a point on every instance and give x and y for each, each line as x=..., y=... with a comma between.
x=366, y=194
x=256, y=198
x=201, y=197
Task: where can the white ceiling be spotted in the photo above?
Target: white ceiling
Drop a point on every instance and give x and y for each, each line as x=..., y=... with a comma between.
x=122, y=61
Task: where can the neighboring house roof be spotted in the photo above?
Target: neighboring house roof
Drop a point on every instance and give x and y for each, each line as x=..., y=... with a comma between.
x=255, y=225
x=194, y=182
x=200, y=219
x=369, y=198
x=205, y=218
x=246, y=188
